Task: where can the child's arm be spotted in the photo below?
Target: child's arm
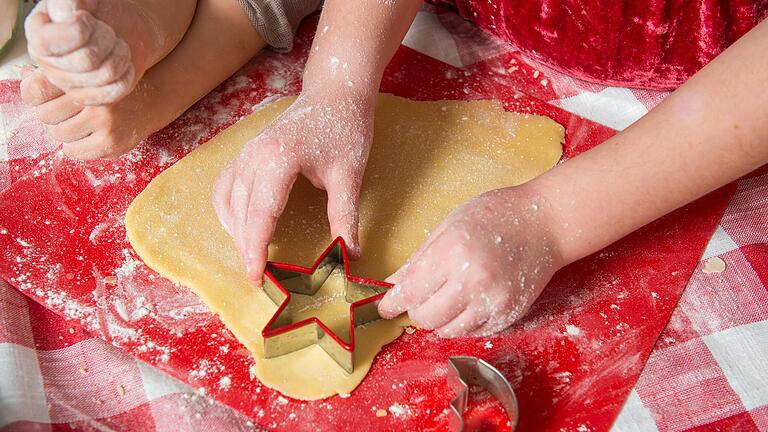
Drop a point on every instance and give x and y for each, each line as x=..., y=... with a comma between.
x=712, y=130
x=325, y=135
x=484, y=266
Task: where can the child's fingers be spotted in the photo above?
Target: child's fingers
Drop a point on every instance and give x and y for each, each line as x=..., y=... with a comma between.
x=343, y=211
x=113, y=68
x=106, y=94
x=465, y=323
x=36, y=89
x=90, y=148
x=47, y=38
x=445, y=305
x=64, y=10
x=57, y=110
x=74, y=129
x=268, y=200
x=423, y=279
x=499, y=321
x=396, y=277
x=90, y=56
x=492, y=326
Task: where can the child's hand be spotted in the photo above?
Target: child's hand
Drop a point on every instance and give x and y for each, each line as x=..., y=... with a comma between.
x=323, y=137
x=89, y=132
x=480, y=270
x=79, y=52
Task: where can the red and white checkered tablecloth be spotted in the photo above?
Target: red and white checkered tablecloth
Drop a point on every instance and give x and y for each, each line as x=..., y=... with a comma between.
x=708, y=370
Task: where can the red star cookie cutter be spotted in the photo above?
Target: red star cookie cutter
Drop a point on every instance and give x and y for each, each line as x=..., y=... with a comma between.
x=282, y=336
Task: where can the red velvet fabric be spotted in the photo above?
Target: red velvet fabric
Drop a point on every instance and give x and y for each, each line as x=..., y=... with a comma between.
x=655, y=44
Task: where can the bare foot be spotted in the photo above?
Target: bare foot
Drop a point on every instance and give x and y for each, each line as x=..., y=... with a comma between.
x=98, y=50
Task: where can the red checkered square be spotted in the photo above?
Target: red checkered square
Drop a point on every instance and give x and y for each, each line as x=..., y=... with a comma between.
x=757, y=256
x=51, y=331
x=718, y=301
x=760, y=417
x=14, y=317
x=683, y=386
x=746, y=218
x=679, y=329
x=89, y=379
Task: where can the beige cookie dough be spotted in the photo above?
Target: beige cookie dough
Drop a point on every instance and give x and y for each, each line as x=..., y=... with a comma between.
x=426, y=159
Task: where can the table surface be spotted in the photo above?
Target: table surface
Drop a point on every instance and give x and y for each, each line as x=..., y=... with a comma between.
x=708, y=368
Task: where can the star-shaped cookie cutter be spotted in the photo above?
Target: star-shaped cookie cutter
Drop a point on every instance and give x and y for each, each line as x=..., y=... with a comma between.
x=282, y=336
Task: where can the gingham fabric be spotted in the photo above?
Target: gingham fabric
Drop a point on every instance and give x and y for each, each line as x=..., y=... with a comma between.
x=708, y=370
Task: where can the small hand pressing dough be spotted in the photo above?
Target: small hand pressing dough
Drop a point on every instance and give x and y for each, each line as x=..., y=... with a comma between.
x=426, y=159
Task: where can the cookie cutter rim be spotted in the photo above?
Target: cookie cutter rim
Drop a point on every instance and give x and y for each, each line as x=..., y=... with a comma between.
x=283, y=339
x=467, y=370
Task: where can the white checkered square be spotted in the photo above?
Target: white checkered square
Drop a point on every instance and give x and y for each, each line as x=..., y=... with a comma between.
x=742, y=353
x=22, y=396
x=634, y=416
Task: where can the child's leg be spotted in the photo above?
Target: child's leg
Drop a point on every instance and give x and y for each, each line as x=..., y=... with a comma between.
x=97, y=50
x=219, y=41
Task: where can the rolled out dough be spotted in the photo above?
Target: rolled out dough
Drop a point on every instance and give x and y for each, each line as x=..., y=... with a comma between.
x=426, y=159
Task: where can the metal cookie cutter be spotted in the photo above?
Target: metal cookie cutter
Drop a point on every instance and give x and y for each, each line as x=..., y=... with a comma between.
x=282, y=336
x=466, y=371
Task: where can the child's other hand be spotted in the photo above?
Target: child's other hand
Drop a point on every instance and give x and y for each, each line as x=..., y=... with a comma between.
x=321, y=136
x=79, y=52
x=480, y=270
x=86, y=132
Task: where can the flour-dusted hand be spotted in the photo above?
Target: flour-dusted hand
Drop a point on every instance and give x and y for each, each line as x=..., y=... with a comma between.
x=86, y=132
x=79, y=52
x=324, y=137
x=480, y=270
x=98, y=50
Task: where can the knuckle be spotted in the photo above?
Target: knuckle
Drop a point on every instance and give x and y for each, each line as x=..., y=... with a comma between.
x=81, y=28
x=420, y=318
x=46, y=115
x=270, y=147
x=57, y=132
x=264, y=217
x=342, y=213
x=111, y=70
x=90, y=57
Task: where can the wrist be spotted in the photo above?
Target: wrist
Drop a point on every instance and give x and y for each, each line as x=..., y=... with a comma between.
x=549, y=220
x=572, y=221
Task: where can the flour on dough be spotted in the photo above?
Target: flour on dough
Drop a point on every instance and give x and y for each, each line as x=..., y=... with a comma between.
x=426, y=159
